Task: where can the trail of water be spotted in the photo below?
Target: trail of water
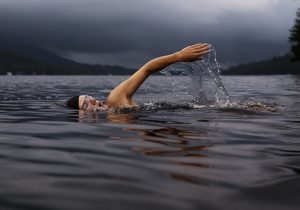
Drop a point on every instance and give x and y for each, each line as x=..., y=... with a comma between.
x=206, y=84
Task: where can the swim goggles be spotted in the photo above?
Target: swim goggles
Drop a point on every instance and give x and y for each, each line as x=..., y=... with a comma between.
x=86, y=105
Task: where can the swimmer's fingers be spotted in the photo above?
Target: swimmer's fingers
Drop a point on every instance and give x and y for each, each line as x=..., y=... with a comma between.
x=201, y=54
x=196, y=45
x=200, y=46
x=192, y=53
x=204, y=52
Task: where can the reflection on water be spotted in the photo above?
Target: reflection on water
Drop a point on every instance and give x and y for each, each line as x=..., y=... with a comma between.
x=125, y=118
x=175, y=142
x=170, y=157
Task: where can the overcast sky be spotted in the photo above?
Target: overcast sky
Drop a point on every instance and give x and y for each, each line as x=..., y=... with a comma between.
x=129, y=32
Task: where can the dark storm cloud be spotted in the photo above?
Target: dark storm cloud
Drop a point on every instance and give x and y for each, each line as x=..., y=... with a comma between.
x=120, y=30
x=94, y=26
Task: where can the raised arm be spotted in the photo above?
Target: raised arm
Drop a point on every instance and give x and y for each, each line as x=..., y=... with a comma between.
x=121, y=96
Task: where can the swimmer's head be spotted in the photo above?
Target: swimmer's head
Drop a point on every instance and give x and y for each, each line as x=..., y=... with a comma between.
x=86, y=102
x=73, y=102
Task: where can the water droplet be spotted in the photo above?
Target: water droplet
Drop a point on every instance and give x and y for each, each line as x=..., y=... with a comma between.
x=206, y=83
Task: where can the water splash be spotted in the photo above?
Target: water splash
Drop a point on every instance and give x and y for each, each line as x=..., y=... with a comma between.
x=206, y=83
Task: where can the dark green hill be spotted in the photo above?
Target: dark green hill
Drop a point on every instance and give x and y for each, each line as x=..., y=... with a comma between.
x=276, y=65
x=21, y=65
x=33, y=52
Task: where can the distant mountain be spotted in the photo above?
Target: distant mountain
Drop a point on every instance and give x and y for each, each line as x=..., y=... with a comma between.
x=11, y=63
x=276, y=65
x=23, y=59
x=32, y=52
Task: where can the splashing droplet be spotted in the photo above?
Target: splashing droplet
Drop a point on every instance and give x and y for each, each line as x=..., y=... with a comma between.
x=206, y=83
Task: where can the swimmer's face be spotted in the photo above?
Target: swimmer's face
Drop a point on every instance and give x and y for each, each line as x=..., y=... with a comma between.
x=89, y=103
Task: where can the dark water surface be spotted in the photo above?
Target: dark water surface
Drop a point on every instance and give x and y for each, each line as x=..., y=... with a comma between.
x=55, y=158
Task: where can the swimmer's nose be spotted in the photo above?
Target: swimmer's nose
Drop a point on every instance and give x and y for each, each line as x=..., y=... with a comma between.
x=93, y=102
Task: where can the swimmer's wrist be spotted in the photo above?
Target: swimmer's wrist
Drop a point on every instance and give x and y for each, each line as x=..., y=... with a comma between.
x=177, y=57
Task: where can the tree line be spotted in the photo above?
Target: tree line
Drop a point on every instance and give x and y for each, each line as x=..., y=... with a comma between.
x=287, y=64
x=275, y=65
x=295, y=38
x=12, y=63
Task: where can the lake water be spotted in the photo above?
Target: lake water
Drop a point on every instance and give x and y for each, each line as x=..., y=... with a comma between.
x=174, y=158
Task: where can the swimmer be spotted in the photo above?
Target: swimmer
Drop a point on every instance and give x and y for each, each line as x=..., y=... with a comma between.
x=121, y=96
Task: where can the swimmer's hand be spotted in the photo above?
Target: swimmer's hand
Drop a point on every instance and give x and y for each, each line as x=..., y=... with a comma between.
x=192, y=53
